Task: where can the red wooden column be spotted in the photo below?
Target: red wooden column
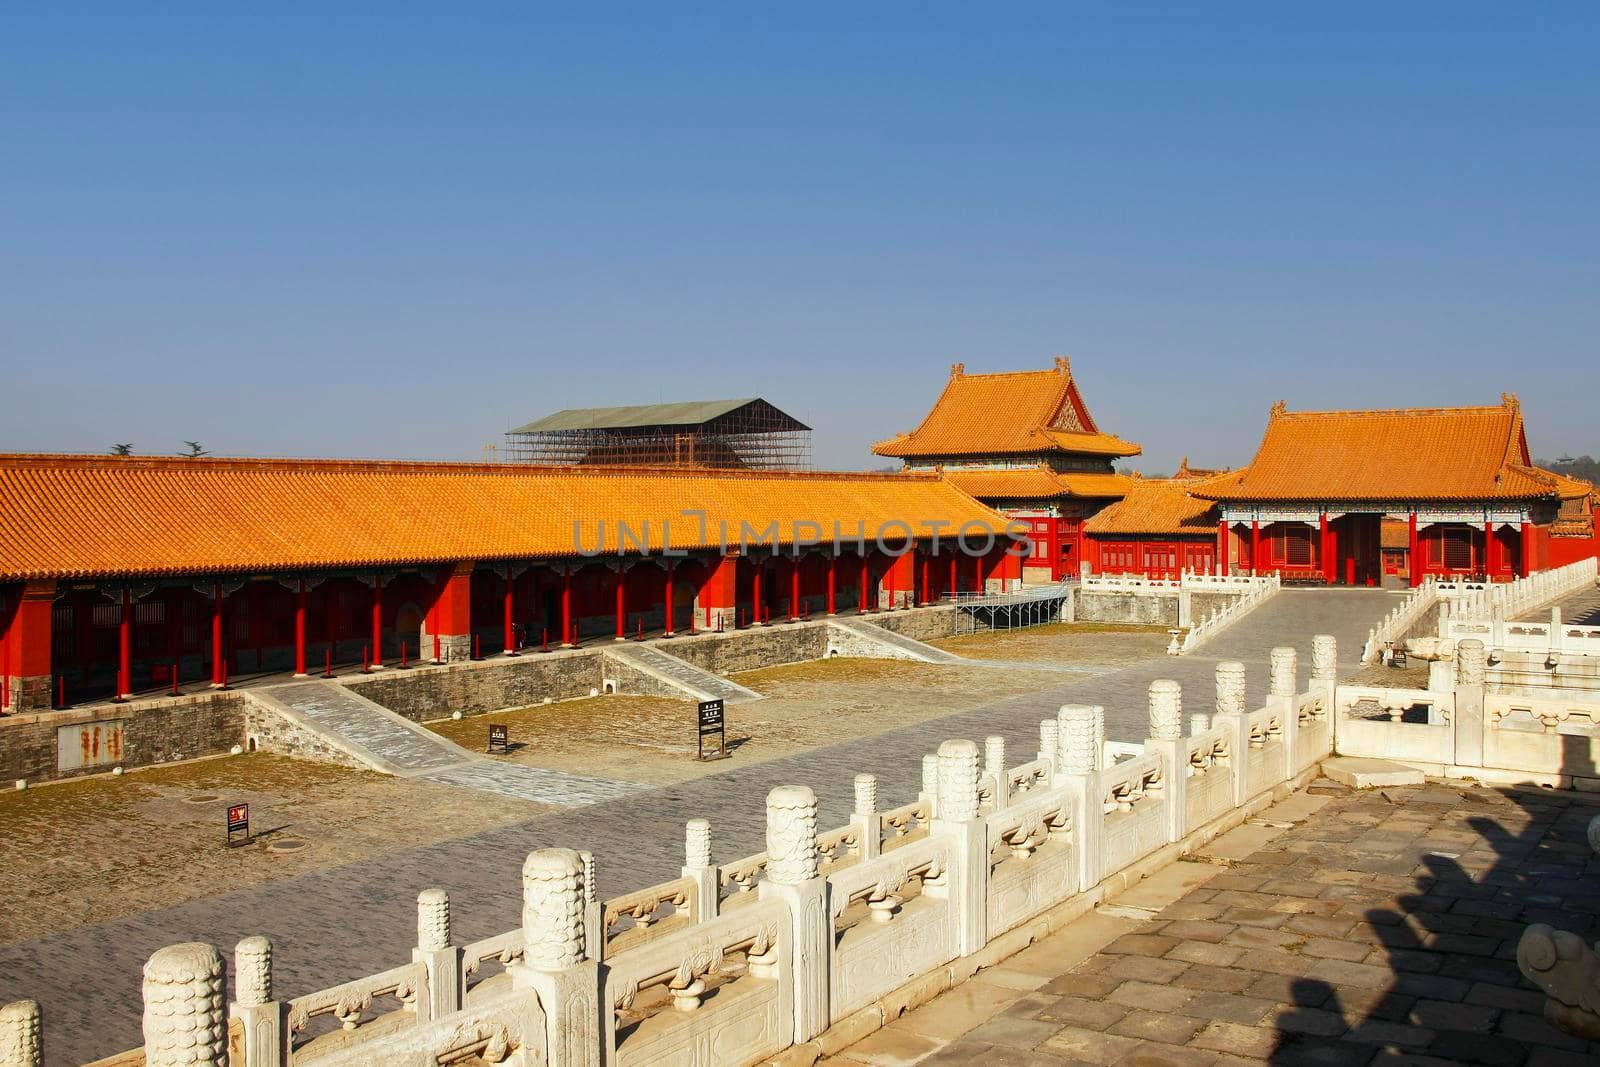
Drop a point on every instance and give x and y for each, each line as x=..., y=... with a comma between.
x=300, y=629
x=861, y=605
x=1255, y=546
x=927, y=589
x=833, y=579
x=510, y=613
x=755, y=593
x=1524, y=558
x=377, y=619
x=1413, y=556
x=1488, y=548
x=717, y=599
x=955, y=575
x=622, y=602
x=1325, y=546
x=794, y=589
x=216, y=635
x=125, y=647
x=902, y=577
x=1222, y=546
x=30, y=682
x=566, y=606
x=668, y=591
x=449, y=620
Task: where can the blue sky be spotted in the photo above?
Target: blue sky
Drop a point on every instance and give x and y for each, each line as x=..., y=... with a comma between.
x=398, y=236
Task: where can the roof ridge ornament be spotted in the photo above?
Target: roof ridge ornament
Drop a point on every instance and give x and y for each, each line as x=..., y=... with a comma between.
x=957, y=369
x=1064, y=365
x=1280, y=407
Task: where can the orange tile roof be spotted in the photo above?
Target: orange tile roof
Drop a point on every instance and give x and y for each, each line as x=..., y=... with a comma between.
x=99, y=516
x=1006, y=414
x=1467, y=453
x=1036, y=483
x=1155, y=506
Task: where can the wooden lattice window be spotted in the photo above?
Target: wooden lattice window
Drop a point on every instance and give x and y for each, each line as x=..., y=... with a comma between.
x=1292, y=545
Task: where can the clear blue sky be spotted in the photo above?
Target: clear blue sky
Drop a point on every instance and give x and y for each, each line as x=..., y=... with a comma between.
x=399, y=236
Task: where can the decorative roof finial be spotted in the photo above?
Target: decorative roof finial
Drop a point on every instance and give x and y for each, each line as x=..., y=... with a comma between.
x=1064, y=364
x=957, y=369
x=1280, y=407
x=1509, y=400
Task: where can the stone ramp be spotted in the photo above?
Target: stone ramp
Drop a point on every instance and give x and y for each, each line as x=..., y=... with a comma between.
x=856, y=637
x=369, y=732
x=676, y=675
x=392, y=744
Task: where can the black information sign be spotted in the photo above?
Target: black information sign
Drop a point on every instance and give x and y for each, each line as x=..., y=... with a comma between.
x=499, y=737
x=238, y=823
x=711, y=726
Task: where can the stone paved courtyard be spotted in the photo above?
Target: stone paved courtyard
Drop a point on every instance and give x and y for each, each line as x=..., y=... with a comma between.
x=1381, y=928
x=331, y=925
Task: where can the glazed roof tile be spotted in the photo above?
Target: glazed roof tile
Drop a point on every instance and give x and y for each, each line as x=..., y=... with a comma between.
x=1007, y=414
x=1155, y=506
x=98, y=516
x=1462, y=453
x=1037, y=483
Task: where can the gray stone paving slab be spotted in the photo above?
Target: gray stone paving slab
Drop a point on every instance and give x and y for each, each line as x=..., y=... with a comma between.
x=531, y=783
x=335, y=925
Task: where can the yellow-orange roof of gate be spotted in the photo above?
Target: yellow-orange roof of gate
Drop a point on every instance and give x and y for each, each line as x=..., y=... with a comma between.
x=100, y=516
x=1006, y=414
x=1155, y=506
x=1037, y=483
x=1461, y=453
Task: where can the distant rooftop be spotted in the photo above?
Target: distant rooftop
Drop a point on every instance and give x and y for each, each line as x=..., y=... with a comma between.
x=636, y=416
x=747, y=433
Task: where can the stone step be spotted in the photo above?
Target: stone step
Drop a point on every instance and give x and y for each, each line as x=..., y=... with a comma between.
x=857, y=637
x=1360, y=772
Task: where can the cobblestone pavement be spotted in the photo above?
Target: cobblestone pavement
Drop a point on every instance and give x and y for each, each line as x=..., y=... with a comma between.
x=335, y=925
x=1382, y=928
x=65, y=859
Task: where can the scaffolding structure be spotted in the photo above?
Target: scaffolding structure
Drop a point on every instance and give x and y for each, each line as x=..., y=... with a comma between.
x=747, y=434
x=1019, y=610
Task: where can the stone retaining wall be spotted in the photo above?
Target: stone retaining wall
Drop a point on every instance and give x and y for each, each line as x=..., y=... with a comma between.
x=175, y=728
x=923, y=624
x=429, y=693
x=1130, y=608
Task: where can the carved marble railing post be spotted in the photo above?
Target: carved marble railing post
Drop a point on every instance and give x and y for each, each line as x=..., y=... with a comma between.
x=792, y=880
x=1325, y=679
x=1467, y=722
x=184, y=1025
x=967, y=879
x=594, y=929
x=1166, y=737
x=930, y=784
x=1199, y=723
x=994, y=766
x=263, y=1020
x=556, y=965
x=1050, y=744
x=864, y=818
x=1079, y=764
x=697, y=865
x=21, y=1034
x=1230, y=715
x=443, y=959
x=1284, y=698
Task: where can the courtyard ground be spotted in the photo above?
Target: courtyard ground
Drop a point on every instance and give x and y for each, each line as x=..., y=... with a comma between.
x=652, y=740
x=1381, y=928
x=65, y=860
